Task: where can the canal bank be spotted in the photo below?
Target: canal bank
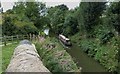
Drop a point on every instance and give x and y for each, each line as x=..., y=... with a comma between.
x=88, y=64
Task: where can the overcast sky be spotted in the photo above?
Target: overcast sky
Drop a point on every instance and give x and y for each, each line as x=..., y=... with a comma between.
x=8, y=4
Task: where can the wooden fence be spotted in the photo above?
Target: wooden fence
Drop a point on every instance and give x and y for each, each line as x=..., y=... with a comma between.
x=4, y=40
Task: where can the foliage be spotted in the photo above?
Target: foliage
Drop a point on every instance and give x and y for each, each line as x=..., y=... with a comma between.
x=24, y=18
x=14, y=25
x=106, y=33
x=33, y=12
x=19, y=8
x=107, y=54
x=57, y=17
x=8, y=26
x=55, y=59
x=70, y=24
x=113, y=14
x=104, y=45
x=89, y=13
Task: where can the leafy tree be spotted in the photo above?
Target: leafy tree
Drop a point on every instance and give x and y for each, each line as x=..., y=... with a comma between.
x=15, y=24
x=32, y=11
x=62, y=7
x=89, y=13
x=19, y=8
x=71, y=24
x=35, y=11
x=8, y=27
x=57, y=16
x=113, y=14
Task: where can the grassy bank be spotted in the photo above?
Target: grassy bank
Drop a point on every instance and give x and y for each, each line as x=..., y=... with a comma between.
x=105, y=54
x=7, y=52
x=54, y=57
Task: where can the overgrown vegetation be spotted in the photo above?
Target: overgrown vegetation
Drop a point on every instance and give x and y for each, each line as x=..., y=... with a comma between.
x=54, y=57
x=99, y=37
x=107, y=54
x=99, y=33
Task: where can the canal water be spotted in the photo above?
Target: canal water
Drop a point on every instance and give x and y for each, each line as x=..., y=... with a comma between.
x=88, y=64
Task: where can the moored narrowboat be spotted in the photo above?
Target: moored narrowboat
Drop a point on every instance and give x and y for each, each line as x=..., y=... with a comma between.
x=65, y=40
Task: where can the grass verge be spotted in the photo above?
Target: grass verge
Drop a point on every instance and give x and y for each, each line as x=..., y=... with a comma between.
x=7, y=52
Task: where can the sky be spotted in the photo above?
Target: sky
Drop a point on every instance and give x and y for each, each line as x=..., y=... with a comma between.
x=71, y=4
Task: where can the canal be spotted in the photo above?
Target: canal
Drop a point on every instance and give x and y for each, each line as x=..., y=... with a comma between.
x=87, y=63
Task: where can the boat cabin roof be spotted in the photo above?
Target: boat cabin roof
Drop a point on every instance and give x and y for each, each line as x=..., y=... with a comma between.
x=64, y=37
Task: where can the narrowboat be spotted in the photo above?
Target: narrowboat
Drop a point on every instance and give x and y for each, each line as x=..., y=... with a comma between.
x=65, y=40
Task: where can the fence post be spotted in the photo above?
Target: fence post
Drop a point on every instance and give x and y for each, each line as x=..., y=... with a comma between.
x=39, y=37
x=12, y=38
x=4, y=38
x=17, y=38
x=33, y=39
x=30, y=37
x=23, y=37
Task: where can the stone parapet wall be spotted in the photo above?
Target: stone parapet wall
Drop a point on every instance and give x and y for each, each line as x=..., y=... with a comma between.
x=26, y=59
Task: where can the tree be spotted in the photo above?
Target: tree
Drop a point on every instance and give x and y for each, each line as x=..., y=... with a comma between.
x=19, y=8
x=113, y=14
x=8, y=26
x=89, y=13
x=32, y=10
x=57, y=16
x=35, y=11
x=62, y=7
x=70, y=26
